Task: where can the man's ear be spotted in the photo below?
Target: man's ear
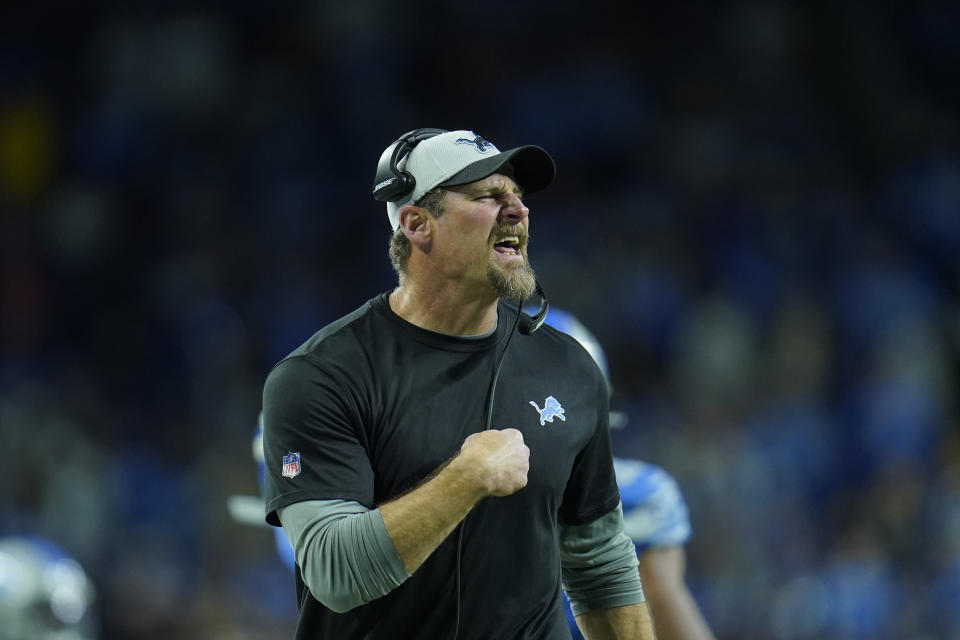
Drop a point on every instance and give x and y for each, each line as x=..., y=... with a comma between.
x=416, y=223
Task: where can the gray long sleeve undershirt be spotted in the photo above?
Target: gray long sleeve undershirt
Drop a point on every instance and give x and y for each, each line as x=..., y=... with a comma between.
x=346, y=557
x=599, y=564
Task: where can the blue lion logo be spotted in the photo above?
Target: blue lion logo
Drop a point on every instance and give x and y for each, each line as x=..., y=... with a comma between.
x=551, y=409
x=478, y=142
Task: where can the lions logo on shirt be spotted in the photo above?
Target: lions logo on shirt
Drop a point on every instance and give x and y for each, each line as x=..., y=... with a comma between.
x=551, y=409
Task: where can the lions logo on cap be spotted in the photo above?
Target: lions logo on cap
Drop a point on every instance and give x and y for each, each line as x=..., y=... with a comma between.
x=478, y=142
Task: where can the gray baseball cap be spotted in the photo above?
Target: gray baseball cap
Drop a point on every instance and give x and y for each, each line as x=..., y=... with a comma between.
x=460, y=157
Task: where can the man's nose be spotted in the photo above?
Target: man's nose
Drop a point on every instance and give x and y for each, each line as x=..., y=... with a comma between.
x=513, y=209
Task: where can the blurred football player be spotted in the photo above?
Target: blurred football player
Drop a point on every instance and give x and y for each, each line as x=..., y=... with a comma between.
x=250, y=509
x=44, y=593
x=655, y=517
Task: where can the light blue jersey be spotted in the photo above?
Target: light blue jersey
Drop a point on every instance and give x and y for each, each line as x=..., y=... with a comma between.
x=654, y=513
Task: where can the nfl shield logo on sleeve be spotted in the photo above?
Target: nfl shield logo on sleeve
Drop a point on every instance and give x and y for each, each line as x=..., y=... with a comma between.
x=291, y=465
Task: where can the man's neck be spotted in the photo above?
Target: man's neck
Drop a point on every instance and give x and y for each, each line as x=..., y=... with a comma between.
x=449, y=310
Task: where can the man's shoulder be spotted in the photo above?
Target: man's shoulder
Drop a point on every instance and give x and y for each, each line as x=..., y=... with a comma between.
x=561, y=345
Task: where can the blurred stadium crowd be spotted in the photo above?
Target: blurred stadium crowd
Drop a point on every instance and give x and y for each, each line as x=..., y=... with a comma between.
x=757, y=213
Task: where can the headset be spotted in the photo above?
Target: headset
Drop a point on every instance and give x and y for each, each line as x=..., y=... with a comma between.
x=528, y=324
x=392, y=184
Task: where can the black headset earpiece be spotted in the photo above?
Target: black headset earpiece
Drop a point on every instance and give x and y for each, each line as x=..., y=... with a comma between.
x=392, y=184
x=528, y=324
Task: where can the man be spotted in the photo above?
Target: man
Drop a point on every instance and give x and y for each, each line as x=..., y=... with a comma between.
x=655, y=518
x=436, y=472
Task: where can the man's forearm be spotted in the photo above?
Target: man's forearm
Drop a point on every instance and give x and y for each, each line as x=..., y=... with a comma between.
x=631, y=622
x=420, y=520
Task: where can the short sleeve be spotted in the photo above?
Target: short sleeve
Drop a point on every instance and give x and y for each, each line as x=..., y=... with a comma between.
x=591, y=490
x=312, y=438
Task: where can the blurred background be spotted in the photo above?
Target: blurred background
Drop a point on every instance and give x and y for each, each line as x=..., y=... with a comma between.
x=757, y=212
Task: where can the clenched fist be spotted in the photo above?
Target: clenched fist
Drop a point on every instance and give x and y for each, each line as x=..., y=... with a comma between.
x=499, y=460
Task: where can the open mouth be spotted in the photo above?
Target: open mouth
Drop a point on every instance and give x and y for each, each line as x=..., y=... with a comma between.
x=509, y=245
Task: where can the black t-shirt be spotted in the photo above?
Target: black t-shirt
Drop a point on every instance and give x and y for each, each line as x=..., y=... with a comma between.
x=371, y=405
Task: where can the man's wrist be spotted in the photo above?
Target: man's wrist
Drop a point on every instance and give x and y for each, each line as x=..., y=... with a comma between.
x=464, y=476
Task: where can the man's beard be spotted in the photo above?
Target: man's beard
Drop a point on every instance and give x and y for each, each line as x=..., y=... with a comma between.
x=515, y=282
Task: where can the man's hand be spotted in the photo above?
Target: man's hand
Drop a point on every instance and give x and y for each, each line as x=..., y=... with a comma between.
x=498, y=461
